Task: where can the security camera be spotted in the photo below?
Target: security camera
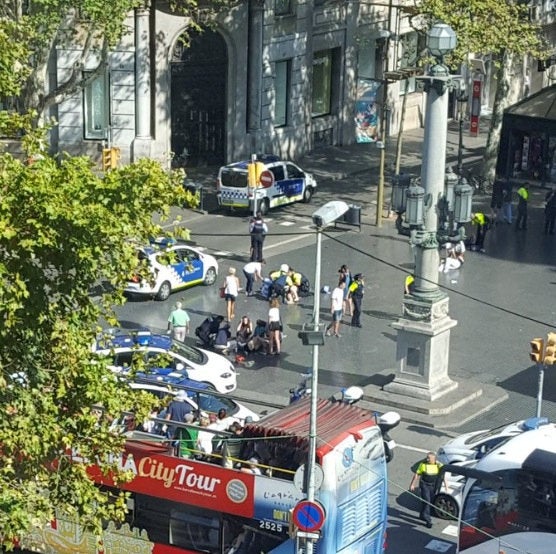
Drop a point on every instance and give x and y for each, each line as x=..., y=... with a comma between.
x=329, y=213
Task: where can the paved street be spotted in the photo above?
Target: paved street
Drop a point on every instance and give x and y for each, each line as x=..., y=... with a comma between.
x=501, y=299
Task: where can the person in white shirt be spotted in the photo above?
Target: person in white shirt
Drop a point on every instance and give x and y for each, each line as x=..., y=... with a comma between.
x=336, y=308
x=231, y=290
x=253, y=271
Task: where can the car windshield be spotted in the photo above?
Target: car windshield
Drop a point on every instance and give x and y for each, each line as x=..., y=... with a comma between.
x=484, y=435
x=209, y=403
x=193, y=355
x=233, y=178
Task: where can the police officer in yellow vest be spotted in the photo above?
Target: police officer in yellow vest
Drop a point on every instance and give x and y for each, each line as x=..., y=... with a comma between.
x=522, y=201
x=426, y=474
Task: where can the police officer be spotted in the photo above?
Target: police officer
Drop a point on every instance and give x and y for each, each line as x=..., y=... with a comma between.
x=522, y=201
x=356, y=292
x=426, y=474
x=482, y=222
x=258, y=230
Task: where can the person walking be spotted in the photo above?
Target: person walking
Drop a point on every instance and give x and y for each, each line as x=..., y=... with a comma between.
x=356, y=292
x=550, y=212
x=274, y=327
x=336, y=308
x=522, y=201
x=258, y=230
x=507, y=203
x=231, y=290
x=481, y=221
x=178, y=322
x=253, y=271
x=426, y=476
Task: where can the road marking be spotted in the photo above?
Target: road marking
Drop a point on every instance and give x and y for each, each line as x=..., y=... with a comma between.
x=413, y=448
x=451, y=530
x=438, y=546
x=287, y=223
x=281, y=243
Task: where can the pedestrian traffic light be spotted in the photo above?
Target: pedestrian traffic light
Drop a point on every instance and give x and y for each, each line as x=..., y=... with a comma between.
x=537, y=350
x=251, y=174
x=550, y=351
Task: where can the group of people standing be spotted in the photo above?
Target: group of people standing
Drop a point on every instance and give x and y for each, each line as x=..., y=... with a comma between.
x=346, y=299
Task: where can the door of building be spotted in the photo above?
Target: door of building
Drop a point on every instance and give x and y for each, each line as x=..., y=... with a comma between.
x=198, y=100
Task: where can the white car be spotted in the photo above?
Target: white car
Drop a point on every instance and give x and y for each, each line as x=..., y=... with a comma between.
x=201, y=400
x=189, y=362
x=447, y=502
x=281, y=182
x=174, y=266
x=473, y=446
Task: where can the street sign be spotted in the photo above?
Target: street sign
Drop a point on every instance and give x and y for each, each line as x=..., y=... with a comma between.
x=308, y=516
x=299, y=477
x=266, y=179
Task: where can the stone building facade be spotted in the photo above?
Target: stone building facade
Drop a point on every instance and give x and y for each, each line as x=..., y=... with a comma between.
x=275, y=76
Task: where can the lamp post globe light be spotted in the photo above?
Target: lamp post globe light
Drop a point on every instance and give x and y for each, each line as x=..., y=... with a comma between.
x=424, y=328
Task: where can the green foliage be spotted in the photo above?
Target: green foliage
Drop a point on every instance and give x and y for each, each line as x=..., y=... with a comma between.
x=64, y=231
x=485, y=26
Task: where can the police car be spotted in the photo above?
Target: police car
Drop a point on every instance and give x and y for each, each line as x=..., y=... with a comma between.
x=282, y=182
x=174, y=266
x=475, y=445
x=179, y=360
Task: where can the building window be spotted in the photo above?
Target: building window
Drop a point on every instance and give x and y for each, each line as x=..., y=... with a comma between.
x=97, y=112
x=322, y=83
x=282, y=7
x=282, y=91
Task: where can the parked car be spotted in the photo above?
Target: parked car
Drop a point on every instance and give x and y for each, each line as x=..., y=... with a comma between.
x=200, y=399
x=282, y=182
x=473, y=446
x=188, y=361
x=174, y=266
x=447, y=501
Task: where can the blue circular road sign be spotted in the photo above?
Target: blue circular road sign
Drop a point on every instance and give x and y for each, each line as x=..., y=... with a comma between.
x=308, y=516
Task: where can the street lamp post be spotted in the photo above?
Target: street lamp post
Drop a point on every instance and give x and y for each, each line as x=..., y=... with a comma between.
x=424, y=328
x=314, y=337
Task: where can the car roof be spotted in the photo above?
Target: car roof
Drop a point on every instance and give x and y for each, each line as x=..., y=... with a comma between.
x=264, y=158
x=130, y=339
x=171, y=378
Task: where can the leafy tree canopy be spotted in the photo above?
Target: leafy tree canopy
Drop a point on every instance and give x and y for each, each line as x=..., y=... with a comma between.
x=485, y=26
x=65, y=232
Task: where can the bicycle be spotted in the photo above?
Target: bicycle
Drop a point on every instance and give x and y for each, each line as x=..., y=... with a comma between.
x=481, y=185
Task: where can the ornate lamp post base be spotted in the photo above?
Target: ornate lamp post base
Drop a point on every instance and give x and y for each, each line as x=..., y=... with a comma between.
x=423, y=346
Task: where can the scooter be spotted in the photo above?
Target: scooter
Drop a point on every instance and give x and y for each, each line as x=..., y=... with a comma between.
x=386, y=422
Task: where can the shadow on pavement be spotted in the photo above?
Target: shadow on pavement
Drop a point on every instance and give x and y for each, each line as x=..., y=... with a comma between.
x=526, y=382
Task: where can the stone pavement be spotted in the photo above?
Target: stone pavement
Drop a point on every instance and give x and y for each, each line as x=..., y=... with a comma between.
x=507, y=276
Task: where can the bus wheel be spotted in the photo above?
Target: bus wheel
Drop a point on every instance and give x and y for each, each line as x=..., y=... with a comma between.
x=445, y=506
x=164, y=291
x=307, y=194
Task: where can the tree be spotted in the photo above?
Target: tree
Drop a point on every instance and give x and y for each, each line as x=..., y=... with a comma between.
x=499, y=28
x=36, y=30
x=63, y=230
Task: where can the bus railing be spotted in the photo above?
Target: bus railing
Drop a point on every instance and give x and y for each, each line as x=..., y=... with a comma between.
x=220, y=457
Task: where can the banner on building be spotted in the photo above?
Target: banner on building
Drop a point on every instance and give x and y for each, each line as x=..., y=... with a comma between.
x=366, y=111
x=476, y=105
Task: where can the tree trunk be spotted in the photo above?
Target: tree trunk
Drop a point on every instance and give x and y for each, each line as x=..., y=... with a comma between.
x=400, y=130
x=501, y=102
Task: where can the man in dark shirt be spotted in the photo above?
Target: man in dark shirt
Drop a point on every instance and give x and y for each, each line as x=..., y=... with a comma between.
x=177, y=410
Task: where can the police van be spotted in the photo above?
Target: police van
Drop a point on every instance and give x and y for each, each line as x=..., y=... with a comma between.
x=281, y=182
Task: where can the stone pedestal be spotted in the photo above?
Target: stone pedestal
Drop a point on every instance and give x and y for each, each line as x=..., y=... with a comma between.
x=423, y=348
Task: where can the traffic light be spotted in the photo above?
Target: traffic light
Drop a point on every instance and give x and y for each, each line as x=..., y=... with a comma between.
x=550, y=352
x=110, y=158
x=537, y=350
x=254, y=170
